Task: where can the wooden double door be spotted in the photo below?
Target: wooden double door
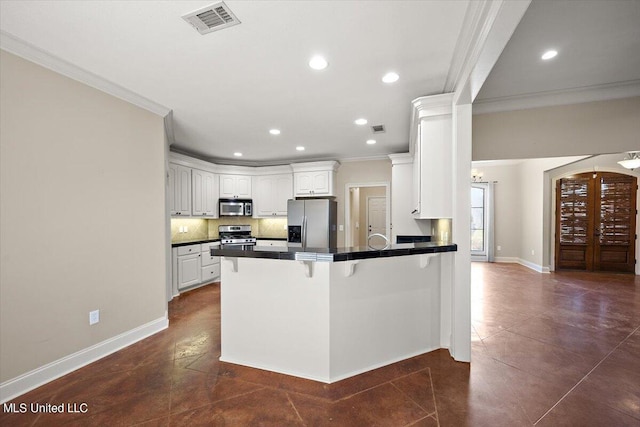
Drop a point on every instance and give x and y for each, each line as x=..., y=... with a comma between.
x=596, y=222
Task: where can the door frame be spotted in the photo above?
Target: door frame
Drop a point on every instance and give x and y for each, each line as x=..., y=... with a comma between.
x=347, y=206
x=484, y=255
x=552, y=225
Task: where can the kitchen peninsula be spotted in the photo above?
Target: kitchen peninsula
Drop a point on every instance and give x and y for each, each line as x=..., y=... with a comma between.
x=329, y=314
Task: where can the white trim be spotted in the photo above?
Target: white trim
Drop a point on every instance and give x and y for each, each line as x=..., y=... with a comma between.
x=19, y=47
x=533, y=266
x=551, y=98
x=401, y=159
x=15, y=387
x=507, y=259
x=472, y=35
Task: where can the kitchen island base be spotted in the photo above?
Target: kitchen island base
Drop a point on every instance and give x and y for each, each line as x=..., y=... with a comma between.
x=327, y=321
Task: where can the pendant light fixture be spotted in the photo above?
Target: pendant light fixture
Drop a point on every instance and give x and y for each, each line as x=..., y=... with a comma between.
x=632, y=160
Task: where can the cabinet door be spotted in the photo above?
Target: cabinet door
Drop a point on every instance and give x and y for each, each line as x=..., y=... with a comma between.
x=435, y=163
x=189, y=270
x=227, y=186
x=243, y=187
x=205, y=193
x=264, y=198
x=179, y=190
x=303, y=183
x=210, y=195
x=320, y=183
x=283, y=188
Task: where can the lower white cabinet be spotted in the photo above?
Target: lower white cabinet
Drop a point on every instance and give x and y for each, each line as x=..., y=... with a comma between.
x=193, y=265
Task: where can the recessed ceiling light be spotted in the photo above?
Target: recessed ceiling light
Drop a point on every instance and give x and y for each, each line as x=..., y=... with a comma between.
x=390, y=77
x=361, y=122
x=549, y=54
x=318, y=63
x=237, y=154
x=300, y=148
x=274, y=131
x=371, y=141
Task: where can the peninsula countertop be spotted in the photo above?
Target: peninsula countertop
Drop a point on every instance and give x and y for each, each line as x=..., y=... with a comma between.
x=336, y=254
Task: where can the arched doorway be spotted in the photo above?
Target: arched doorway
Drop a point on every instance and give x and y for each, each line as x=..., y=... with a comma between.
x=596, y=222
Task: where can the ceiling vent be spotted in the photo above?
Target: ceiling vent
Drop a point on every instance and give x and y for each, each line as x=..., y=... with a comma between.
x=377, y=129
x=212, y=18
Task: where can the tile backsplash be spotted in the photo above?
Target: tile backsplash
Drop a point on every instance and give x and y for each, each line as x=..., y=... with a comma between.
x=208, y=228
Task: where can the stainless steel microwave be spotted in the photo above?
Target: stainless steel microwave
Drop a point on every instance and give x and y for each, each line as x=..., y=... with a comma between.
x=236, y=207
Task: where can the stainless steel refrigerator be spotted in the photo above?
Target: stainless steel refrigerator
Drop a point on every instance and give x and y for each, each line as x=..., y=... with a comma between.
x=312, y=223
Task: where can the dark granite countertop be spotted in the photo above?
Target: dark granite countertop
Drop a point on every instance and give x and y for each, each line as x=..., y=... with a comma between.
x=194, y=241
x=336, y=254
x=217, y=239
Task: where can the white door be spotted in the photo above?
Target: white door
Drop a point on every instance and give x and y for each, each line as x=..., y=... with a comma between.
x=377, y=220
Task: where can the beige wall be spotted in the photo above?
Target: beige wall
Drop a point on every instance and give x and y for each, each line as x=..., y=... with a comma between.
x=82, y=216
x=507, y=207
x=364, y=172
x=600, y=127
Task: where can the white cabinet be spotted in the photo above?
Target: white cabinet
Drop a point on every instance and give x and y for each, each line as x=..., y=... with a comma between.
x=205, y=194
x=235, y=187
x=267, y=242
x=188, y=266
x=314, y=179
x=271, y=195
x=179, y=190
x=210, y=271
x=433, y=158
x=193, y=265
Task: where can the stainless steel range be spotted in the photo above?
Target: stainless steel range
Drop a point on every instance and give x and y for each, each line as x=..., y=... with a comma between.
x=236, y=237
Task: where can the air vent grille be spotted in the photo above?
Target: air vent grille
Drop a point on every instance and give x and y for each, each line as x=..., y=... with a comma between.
x=377, y=129
x=212, y=18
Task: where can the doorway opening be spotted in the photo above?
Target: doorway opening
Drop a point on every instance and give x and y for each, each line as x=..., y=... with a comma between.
x=596, y=222
x=367, y=212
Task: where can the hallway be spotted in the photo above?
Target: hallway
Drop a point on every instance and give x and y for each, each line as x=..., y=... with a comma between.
x=560, y=349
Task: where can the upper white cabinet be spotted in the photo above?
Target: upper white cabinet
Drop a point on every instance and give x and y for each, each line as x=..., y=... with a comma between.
x=314, y=179
x=432, y=147
x=205, y=194
x=179, y=190
x=271, y=195
x=235, y=187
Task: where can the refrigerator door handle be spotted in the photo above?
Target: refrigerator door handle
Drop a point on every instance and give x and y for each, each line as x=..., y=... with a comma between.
x=304, y=231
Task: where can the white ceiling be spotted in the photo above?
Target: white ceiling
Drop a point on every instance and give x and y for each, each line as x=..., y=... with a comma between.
x=598, y=44
x=228, y=88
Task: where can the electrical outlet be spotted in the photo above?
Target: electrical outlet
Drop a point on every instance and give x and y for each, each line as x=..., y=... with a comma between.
x=499, y=247
x=341, y=227
x=284, y=227
x=94, y=317
x=533, y=252
x=186, y=229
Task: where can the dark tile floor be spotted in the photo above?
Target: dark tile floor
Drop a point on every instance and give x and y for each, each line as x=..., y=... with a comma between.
x=560, y=349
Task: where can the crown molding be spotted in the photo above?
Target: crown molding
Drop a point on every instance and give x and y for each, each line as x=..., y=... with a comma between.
x=578, y=95
x=401, y=159
x=471, y=35
x=23, y=49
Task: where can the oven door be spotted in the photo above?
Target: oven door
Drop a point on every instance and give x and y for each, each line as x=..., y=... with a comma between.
x=231, y=208
x=238, y=246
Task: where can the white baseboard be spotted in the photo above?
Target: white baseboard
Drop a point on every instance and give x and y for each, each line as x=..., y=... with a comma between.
x=15, y=387
x=509, y=259
x=528, y=264
x=531, y=265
